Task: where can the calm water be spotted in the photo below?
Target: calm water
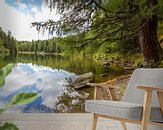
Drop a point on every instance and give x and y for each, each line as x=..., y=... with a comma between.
x=47, y=76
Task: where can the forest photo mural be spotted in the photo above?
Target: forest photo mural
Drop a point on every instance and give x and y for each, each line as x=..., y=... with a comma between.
x=51, y=49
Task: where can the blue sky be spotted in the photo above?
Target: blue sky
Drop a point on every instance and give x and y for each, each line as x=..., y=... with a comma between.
x=27, y=2
x=25, y=6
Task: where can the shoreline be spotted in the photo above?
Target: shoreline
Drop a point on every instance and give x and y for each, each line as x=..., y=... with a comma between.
x=39, y=53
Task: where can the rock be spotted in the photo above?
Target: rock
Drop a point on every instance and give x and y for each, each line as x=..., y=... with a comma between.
x=106, y=64
x=116, y=62
x=128, y=68
x=109, y=61
x=82, y=80
x=103, y=75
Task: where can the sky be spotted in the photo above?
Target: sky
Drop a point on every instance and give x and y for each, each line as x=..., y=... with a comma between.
x=17, y=16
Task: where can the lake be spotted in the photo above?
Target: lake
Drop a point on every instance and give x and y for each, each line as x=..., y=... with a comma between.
x=47, y=76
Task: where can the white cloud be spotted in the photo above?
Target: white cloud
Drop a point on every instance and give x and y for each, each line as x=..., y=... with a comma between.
x=19, y=23
x=34, y=10
x=21, y=6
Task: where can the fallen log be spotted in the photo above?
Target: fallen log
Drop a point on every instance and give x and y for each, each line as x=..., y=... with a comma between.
x=82, y=80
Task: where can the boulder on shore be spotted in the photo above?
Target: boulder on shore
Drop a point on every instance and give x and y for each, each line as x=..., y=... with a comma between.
x=82, y=80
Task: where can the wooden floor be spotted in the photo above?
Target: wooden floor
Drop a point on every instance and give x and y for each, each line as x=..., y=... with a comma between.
x=60, y=121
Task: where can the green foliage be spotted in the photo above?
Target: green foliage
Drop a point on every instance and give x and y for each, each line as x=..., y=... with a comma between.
x=8, y=126
x=113, y=29
x=108, y=20
x=20, y=98
x=113, y=5
x=106, y=17
x=46, y=46
x=4, y=72
x=7, y=43
x=75, y=44
x=23, y=98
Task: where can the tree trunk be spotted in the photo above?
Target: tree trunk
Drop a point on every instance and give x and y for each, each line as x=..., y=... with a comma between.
x=148, y=40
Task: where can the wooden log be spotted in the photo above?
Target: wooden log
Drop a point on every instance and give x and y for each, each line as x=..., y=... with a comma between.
x=82, y=80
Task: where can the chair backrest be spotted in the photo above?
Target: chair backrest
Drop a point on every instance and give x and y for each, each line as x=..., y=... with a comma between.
x=143, y=77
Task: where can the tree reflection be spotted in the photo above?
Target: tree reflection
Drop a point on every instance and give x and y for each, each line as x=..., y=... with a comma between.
x=71, y=100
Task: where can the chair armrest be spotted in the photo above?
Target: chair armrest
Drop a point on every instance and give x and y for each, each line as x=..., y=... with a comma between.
x=147, y=88
x=102, y=85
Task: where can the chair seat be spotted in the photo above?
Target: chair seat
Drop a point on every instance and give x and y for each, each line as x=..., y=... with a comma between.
x=131, y=111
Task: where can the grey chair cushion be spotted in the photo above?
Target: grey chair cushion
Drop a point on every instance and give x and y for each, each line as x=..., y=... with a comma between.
x=131, y=111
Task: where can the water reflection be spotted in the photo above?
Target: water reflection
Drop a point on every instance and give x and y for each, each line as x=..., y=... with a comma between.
x=46, y=75
x=71, y=100
x=33, y=78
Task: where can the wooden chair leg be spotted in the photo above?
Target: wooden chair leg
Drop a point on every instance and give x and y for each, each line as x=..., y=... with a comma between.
x=94, y=123
x=146, y=110
x=160, y=98
x=124, y=125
